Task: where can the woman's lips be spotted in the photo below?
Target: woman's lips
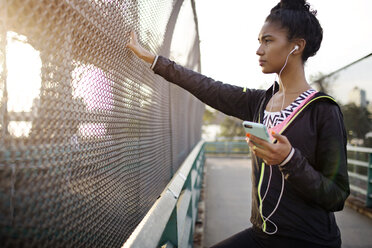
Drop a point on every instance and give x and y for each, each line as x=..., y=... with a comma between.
x=262, y=62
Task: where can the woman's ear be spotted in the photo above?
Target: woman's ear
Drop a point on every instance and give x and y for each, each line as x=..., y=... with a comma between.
x=300, y=44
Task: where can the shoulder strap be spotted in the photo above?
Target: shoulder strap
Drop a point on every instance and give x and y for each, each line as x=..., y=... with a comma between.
x=285, y=123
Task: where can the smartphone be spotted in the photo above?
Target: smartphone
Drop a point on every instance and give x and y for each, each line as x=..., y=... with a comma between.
x=257, y=129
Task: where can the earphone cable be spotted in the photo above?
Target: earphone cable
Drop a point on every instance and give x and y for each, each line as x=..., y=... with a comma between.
x=280, y=80
x=267, y=219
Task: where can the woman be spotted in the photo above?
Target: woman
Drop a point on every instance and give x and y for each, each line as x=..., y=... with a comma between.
x=300, y=178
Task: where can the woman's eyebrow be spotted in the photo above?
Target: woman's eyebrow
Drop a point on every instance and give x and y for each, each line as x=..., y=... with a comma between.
x=264, y=37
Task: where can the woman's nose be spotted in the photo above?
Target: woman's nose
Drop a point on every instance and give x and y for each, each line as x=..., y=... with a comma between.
x=259, y=51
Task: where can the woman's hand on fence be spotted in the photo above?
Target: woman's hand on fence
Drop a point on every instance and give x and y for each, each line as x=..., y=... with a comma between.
x=138, y=50
x=272, y=154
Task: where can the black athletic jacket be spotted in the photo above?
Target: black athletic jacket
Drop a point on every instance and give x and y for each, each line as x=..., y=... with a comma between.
x=316, y=179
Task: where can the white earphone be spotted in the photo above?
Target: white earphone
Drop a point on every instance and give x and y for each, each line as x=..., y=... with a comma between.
x=294, y=49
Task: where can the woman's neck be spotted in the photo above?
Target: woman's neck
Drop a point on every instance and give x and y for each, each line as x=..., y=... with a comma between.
x=293, y=80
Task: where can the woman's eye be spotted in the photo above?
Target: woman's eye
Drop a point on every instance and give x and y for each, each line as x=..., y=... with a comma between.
x=267, y=41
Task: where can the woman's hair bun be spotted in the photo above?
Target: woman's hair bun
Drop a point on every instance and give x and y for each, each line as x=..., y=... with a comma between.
x=300, y=22
x=295, y=5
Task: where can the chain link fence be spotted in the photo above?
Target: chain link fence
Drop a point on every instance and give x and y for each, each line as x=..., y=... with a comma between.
x=90, y=136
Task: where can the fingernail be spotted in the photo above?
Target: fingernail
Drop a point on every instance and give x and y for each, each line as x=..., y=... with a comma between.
x=248, y=135
x=272, y=132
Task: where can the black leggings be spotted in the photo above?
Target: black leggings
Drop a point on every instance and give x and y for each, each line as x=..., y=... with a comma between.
x=254, y=238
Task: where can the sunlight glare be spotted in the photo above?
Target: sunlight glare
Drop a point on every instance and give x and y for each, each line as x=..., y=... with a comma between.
x=23, y=81
x=23, y=73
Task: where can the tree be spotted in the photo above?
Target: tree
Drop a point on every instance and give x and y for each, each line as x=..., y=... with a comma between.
x=232, y=127
x=357, y=122
x=322, y=82
x=209, y=116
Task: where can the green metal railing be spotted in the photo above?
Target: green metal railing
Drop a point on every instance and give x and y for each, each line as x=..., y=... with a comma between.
x=171, y=220
x=360, y=172
x=227, y=147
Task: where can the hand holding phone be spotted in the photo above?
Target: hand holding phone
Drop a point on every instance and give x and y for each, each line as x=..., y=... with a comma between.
x=257, y=129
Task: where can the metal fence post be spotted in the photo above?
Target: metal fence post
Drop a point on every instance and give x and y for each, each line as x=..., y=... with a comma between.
x=369, y=183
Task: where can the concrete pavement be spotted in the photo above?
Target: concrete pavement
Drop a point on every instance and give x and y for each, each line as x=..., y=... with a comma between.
x=228, y=204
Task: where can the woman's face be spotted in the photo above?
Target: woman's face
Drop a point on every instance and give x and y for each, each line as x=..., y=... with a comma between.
x=274, y=47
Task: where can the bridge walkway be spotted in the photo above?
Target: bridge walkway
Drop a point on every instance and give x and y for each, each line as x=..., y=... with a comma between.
x=228, y=202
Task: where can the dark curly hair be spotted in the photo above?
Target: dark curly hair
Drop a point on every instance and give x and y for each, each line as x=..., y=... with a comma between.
x=300, y=22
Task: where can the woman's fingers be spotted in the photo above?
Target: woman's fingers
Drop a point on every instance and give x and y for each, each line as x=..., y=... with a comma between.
x=138, y=50
x=260, y=151
x=133, y=38
x=271, y=153
x=257, y=145
x=132, y=41
x=280, y=138
x=133, y=35
x=259, y=142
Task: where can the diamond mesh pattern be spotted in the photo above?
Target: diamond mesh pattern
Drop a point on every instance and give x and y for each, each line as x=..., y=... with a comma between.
x=90, y=136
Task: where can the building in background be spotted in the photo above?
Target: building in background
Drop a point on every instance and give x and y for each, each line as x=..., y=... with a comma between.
x=358, y=97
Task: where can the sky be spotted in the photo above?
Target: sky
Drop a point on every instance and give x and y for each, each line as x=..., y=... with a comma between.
x=229, y=32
